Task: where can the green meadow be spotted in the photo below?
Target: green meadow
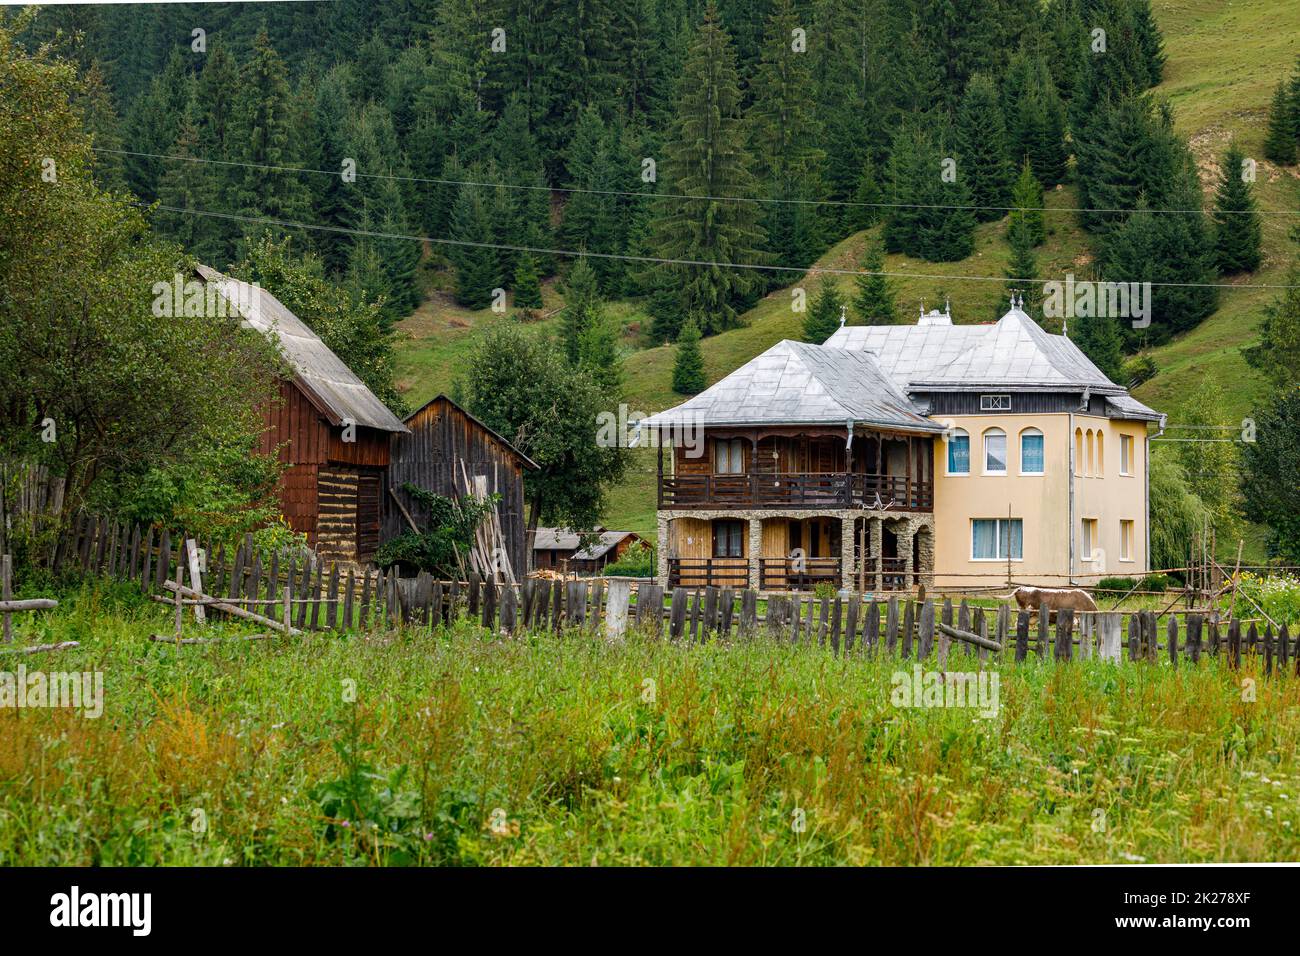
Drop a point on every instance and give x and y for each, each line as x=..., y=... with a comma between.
x=462, y=747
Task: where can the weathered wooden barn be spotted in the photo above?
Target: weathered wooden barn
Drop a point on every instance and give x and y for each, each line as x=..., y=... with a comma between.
x=331, y=431
x=448, y=451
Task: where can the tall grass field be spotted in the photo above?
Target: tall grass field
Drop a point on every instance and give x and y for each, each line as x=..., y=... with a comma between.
x=461, y=747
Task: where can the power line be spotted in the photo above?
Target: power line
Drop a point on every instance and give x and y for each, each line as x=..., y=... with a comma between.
x=649, y=260
x=683, y=196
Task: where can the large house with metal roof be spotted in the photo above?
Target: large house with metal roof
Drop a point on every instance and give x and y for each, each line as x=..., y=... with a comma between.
x=958, y=455
x=329, y=430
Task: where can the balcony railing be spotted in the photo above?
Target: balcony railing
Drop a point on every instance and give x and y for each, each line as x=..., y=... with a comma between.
x=797, y=490
x=708, y=573
x=797, y=574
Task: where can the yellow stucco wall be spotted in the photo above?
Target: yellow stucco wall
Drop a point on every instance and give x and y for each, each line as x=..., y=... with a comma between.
x=1042, y=502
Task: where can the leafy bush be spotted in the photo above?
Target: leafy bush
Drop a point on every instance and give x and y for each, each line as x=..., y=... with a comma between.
x=1116, y=585
x=638, y=561
x=1277, y=595
x=447, y=536
x=1155, y=582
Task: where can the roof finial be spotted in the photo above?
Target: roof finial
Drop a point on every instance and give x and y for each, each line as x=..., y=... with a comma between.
x=1013, y=298
x=946, y=310
x=843, y=316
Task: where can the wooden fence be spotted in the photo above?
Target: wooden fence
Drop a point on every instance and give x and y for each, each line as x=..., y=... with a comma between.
x=334, y=598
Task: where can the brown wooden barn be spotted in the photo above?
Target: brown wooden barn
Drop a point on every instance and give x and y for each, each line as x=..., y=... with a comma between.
x=331, y=431
x=449, y=451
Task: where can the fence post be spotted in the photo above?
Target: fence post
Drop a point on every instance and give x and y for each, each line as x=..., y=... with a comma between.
x=7, y=593
x=196, y=576
x=1064, y=633
x=620, y=596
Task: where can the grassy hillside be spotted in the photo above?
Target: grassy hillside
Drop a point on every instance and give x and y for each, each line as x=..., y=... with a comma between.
x=1223, y=62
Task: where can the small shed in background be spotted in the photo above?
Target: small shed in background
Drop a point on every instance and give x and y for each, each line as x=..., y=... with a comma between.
x=331, y=431
x=450, y=452
x=563, y=549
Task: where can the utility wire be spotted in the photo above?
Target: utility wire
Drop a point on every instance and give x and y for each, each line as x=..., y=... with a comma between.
x=651, y=260
x=654, y=195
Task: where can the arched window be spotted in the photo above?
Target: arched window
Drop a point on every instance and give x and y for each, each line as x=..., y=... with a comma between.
x=1031, y=452
x=1088, y=435
x=995, y=452
x=1101, y=453
x=1078, y=451
x=959, y=452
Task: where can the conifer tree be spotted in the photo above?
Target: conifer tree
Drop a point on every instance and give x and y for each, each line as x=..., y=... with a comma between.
x=823, y=318
x=874, y=299
x=981, y=139
x=1276, y=355
x=598, y=354
x=261, y=139
x=1101, y=340
x=1280, y=142
x=784, y=135
x=932, y=218
x=1237, y=229
x=688, y=366
x=217, y=87
x=1022, y=272
x=100, y=118
x=707, y=157
x=528, y=289
x=477, y=269
x=582, y=307
x=867, y=197
x=1027, y=211
x=186, y=188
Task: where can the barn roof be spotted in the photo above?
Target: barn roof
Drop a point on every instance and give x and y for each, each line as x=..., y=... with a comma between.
x=322, y=376
x=528, y=462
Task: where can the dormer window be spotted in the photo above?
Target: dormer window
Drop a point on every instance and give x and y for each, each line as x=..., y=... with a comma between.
x=995, y=403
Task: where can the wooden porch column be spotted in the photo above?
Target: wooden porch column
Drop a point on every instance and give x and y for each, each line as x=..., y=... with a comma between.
x=877, y=550
x=846, y=554
x=908, y=498
x=753, y=469
x=660, y=484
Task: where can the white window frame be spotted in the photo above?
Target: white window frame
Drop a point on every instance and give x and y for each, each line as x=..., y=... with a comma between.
x=1127, y=451
x=1126, y=540
x=1088, y=533
x=997, y=533
x=728, y=448
x=1032, y=431
x=984, y=450
x=995, y=403
x=947, y=453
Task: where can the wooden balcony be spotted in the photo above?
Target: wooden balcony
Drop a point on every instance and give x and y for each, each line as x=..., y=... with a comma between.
x=797, y=490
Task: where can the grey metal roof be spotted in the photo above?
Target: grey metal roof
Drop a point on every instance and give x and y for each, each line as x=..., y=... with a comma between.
x=565, y=539
x=556, y=539
x=601, y=546
x=332, y=387
x=1125, y=406
x=1014, y=352
x=794, y=383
